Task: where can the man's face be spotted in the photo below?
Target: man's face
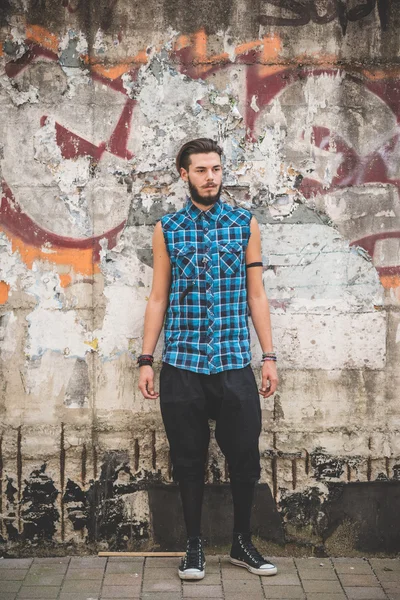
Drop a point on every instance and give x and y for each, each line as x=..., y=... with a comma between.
x=204, y=178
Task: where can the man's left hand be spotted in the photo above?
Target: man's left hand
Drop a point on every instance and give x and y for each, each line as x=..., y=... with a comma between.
x=269, y=378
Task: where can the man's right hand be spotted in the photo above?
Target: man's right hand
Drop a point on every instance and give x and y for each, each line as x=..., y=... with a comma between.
x=146, y=382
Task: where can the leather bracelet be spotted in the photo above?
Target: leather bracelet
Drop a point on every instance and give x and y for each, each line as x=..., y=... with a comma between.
x=145, y=359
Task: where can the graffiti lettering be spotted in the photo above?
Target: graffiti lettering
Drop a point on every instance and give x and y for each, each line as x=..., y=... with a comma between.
x=304, y=11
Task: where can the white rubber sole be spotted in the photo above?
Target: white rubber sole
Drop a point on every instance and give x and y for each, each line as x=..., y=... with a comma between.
x=272, y=570
x=193, y=574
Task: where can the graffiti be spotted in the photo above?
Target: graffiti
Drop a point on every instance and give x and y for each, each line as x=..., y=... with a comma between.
x=266, y=80
x=303, y=12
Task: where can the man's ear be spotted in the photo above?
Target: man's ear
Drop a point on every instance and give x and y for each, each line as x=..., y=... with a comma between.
x=184, y=174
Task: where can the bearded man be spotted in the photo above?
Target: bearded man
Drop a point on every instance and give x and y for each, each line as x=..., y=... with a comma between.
x=207, y=277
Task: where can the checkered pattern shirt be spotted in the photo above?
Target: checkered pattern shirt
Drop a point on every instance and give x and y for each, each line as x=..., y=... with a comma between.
x=206, y=328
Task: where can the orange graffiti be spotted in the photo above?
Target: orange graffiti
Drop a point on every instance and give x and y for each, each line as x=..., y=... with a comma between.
x=4, y=289
x=42, y=36
x=65, y=279
x=81, y=260
x=390, y=281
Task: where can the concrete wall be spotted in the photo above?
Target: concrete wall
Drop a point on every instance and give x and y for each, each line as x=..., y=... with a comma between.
x=95, y=100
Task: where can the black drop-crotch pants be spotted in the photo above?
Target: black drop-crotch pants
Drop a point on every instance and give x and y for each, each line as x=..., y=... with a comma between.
x=188, y=400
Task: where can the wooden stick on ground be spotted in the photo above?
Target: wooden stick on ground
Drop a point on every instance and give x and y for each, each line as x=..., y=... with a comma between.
x=150, y=554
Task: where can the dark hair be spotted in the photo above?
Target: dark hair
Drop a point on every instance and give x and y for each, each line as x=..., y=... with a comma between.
x=199, y=146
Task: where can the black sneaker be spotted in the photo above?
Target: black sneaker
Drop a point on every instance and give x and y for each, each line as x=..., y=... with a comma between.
x=244, y=554
x=192, y=565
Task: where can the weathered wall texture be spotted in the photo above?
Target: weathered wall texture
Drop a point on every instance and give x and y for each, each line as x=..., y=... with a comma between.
x=96, y=97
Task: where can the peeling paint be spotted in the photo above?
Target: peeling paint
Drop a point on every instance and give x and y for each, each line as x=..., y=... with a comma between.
x=92, y=115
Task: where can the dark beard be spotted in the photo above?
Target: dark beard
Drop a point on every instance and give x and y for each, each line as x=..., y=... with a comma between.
x=207, y=201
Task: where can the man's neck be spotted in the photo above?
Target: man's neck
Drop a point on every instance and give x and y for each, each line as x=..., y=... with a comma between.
x=202, y=206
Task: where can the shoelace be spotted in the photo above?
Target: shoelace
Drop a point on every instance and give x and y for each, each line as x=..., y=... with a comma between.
x=193, y=557
x=252, y=551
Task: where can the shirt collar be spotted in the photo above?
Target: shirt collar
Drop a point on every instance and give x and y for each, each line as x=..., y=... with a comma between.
x=194, y=212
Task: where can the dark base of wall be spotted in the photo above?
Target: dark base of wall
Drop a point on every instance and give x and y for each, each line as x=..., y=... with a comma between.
x=217, y=517
x=371, y=510
x=356, y=519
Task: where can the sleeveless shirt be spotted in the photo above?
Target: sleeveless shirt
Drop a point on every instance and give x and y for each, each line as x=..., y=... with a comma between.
x=206, y=328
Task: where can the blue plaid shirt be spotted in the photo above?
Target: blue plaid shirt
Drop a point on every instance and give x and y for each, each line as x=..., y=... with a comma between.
x=206, y=328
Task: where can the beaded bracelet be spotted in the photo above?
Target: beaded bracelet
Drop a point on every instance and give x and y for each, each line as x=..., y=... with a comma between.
x=268, y=356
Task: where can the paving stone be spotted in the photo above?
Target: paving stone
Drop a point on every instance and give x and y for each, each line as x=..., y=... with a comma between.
x=393, y=586
x=209, y=579
x=125, y=567
x=284, y=592
x=156, y=563
x=236, y=573
x=313, y=563
x=382, y=563
x=44, y=579
x=205, y=591
x=15, y=563
x=77, y=596
x=87, y=562
x=394, y=595
x=213, y=568
x=392, y=591
x=353, y=568
x=52, y=560
x=136, y=559
x=47, y=569
x=161, y=596
x=239, y=596
x=86, y=574
x=10, y=586
x=89, y=587
x=40, y=592
x=9, y=596
x=388, y=576
x=317, y=585
x=282, y=560
x=167, y=585
x=245, y=586
x=212, y=559
x=124, y=592
x=359, y=580
x=325, y=596
x=360, y=593
x=123, y=579
x=325, y=575
x=153, y=574
x=281, y=579
x=13, y=574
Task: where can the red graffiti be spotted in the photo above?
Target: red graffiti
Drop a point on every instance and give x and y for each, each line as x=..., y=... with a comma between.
x=20, y=224
x=265, y=84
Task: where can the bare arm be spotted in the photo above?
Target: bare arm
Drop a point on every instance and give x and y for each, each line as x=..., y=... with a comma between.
x=259, y=309
x=155, y=310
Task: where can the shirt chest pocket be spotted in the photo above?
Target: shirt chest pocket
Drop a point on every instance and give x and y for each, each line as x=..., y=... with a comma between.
x=230, y=257
x=184, y=258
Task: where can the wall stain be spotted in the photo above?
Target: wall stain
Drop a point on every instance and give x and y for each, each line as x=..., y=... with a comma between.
x=38, y=509
x=62, y=478
x=326, y=466
x=83, y=464
x=294, y=473
x=136, y=455
x=1, y=482
x=19, y=472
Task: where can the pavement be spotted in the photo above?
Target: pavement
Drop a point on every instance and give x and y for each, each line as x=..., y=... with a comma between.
x=92, y=577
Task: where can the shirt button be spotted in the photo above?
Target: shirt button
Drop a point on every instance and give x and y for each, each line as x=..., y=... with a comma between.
x=205, y=228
